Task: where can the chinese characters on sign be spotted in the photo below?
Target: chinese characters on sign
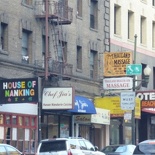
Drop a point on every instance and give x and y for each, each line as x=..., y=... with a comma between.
x=115, y=63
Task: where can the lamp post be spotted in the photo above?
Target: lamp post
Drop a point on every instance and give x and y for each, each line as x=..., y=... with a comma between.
x=145, y=80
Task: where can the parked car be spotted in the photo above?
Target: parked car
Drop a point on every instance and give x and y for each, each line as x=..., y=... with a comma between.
x=121, y=149
x=6, y=149
x=67, y=146
x=146, y=147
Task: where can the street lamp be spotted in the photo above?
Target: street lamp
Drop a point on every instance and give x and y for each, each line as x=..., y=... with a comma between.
x=144, y=81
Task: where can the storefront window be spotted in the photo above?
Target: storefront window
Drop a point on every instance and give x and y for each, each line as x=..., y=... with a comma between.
x=26, y=121
x=8, y=118
x=20, y=120
x=14, y=120
x=128, y=134
x=64, y=126
x=1, y=119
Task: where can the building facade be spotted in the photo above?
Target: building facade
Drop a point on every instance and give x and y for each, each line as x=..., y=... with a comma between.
x=61, y=42
x=131, y=28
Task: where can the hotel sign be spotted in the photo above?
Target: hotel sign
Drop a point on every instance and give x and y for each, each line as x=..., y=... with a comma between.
x=19, y=90
x=115, y=63
x=118, y=83
x=58, y=98
x=147, y=98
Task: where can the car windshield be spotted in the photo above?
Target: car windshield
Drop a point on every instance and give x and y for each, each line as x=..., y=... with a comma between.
x=114, y=149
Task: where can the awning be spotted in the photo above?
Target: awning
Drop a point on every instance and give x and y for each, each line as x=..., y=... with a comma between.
x=83, y=105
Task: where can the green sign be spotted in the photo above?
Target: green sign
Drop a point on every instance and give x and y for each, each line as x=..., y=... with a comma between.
x=133, y=69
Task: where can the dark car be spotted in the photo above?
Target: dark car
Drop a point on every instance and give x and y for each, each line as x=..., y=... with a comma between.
x=146, y=147
x=6, y=149
x=120, y=149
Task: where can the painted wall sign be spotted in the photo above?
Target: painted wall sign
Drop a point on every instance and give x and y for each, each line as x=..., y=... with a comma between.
x=19, y=90
x=118, y=83
x=115, y=63
x=58, y=98
x=147, y=98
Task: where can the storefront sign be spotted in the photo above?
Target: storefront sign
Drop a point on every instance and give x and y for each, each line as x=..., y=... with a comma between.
x=115, y=63
x=118, y=83
x=113, y=104
x=58, y=98
x=101, y=117
x=19, y=90
x=82, y=119
x=147, y=98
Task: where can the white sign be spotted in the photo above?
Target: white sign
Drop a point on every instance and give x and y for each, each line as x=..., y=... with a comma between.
x=57, y=98
x=127, y=116
x=127, y=100
x=102, y=116
x=118, y=83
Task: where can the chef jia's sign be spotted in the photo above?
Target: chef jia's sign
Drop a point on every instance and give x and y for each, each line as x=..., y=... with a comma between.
x=58, y=98
x=118, y=83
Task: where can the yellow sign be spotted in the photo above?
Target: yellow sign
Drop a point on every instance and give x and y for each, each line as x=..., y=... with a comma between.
x=115, y=63
x=113, y=104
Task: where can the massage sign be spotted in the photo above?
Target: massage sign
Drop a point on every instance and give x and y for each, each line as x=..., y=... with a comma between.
x=19, y=90
x=147, y=98
x=115, y=63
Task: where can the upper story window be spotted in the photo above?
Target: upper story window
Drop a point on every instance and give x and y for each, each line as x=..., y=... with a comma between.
x=79, y=8
x=27, y=2
x=117, y=20
x=153, y=34
x=62, y=51
x=4, y=36
x=143, y=30
x=94, y=14
x=130, y=25
x=79, y=57
x=26, y=45
x=93, y=64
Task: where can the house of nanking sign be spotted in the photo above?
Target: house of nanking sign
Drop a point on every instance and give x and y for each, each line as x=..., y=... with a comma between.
x=118, y=83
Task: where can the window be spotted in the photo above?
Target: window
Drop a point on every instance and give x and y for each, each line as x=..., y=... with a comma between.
x=93, y=14
x=4, y=36
x=117, y=20
x=27, y=2
x=143, y=76
x=130, y=25
x=153, y=2
x=153, y=34
x=79, y=57
x=143, y=30
x=62, y=51
x=44, y=44
x=153, y=77
x=93, y=64
x=79, y=8
x=26, y=46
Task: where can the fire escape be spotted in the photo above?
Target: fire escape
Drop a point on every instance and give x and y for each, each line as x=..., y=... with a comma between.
x=56, y=14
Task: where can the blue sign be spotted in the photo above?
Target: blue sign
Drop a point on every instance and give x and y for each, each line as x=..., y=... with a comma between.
x=133, y=69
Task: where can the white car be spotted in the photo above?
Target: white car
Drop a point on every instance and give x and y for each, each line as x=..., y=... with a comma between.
x=67, y=146
x=120, y=149
x=6, y=149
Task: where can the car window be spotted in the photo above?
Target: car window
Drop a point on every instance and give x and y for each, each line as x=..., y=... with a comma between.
x=121, y=149
x=89, y=145
x=110, y=148
x=147, y=148
x=12, y=151
x=73, y=144
x=56, y=145
x=82, y=145
x=2, y=150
